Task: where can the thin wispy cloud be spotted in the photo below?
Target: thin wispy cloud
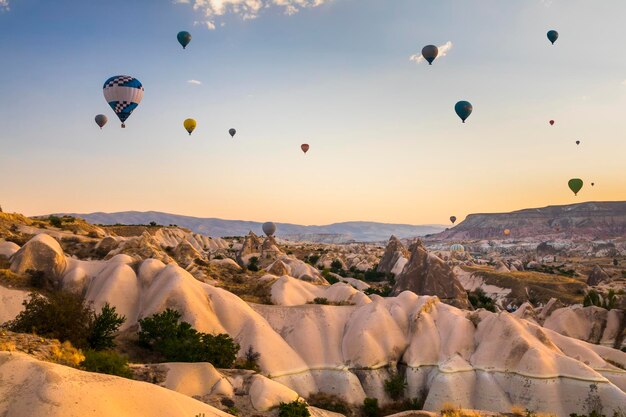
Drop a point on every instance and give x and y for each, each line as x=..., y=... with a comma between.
x=443, y=51
x=194, y=82
x=4, y=5
x=245, y=9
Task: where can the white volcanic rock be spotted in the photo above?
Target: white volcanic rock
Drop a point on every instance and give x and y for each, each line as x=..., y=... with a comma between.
x=346, y=350
x=299, y=269
x=29, y=387
x=591, y=324
x=7, y=249
x=11, y=303
x=266, y=394
x=42, y=253
x=196, y=379
x=288, y=291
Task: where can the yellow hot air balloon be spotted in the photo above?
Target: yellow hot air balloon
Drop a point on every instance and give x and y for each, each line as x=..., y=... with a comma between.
x=190, y=125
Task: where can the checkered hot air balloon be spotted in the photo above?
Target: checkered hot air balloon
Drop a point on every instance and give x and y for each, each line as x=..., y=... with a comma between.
x=123, y=93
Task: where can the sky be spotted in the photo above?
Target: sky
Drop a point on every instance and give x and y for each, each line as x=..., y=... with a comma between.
x=385, y=143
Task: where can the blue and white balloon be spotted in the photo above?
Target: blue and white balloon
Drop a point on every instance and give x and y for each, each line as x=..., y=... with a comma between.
x=123, y=93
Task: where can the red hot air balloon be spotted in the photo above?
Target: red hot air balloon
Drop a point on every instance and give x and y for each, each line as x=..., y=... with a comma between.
x=304, y=147
x=551, y=122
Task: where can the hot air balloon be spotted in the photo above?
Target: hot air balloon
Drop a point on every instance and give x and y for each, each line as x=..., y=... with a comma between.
x=304, y=147
x=457, y=248
x=577, y=142
x=101, y=120
x=430, y=52
x=551, y=122
x=463, y=109
x=232, y=132
x=184, y=38
x=507, y=232
x=190, y=125
x=453, y=219
x=269, y=228
x=123, y=93
x=575, y=184
x=553, y=35
x=593, y=184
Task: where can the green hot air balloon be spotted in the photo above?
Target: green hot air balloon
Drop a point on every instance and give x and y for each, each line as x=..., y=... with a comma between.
x=463, y=109
x=184, y=38
x=553, y=35
x=430, y=52
x=575, y=184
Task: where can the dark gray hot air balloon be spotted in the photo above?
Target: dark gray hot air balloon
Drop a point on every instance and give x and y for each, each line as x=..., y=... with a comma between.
x=463, y=109
x=101, y=120
x=269, y=228
x=553, y=35
x=232, y=132
x=453, y=219
x=430, y=52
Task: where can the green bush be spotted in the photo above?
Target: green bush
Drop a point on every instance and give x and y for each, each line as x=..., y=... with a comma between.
x=253, y=264
x=320, y=300
x=251, y=361
x=65, y=316
x=55, y=221
x=103, y=328
x=293, y=409
x=383, y=292
x=395, y=386
x=593, y=299
x=179, y=342
x=479, y=299
x=370, y=407
x=106, y=362
x=336, y=266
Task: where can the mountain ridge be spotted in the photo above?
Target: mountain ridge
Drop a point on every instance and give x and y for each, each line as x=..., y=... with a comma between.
x=340, y=232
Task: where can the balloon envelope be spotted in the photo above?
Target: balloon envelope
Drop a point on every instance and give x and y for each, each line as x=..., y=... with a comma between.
x=304, y=147
x=190, y=125
x=184, y=38
x=232, y=132
x=453, y=219
x=551, y=122
x=269, y=228
x=507, y=232
x=457, y=248
x=101, y=120
x=553, y=35
x=123, y=93
x=575, y=184
x=430, y=52
x=463, y=109
x=577, y=142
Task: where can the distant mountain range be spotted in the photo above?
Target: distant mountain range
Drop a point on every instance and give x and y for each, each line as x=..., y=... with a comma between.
x=332, y=233
x=594, y=220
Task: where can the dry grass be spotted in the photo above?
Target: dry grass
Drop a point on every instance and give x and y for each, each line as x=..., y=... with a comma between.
x=66, y=354
x=517, y=410
x=540, y=286
x=451, y=410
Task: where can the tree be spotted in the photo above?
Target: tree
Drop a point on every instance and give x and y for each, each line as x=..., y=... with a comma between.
x=178, y=341
x=293, y=409
x=103, y=328
x=395, y=386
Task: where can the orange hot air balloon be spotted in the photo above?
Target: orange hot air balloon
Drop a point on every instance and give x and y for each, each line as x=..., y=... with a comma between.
x=551, y=122
x=507, y=232
x=304, y=147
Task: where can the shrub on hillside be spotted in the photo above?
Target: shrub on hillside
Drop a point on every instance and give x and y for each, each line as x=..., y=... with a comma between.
x=178, y=341
x=295, y=408
x=65, y=316
x=103, y=328
x=106, y=362
x=253, y=264
x=479, y=299
x=395, y=386
x=370, y=407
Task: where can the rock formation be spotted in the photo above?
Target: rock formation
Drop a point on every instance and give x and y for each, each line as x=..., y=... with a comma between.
x=394, y=258
x=43, y=254
x=426, y=274
x=597, y=276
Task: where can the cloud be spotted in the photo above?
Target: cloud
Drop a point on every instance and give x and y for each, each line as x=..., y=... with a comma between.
x=4, y=5
x=245, y=9
x=443, y=51
x=209, y=24
x=195, y=82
